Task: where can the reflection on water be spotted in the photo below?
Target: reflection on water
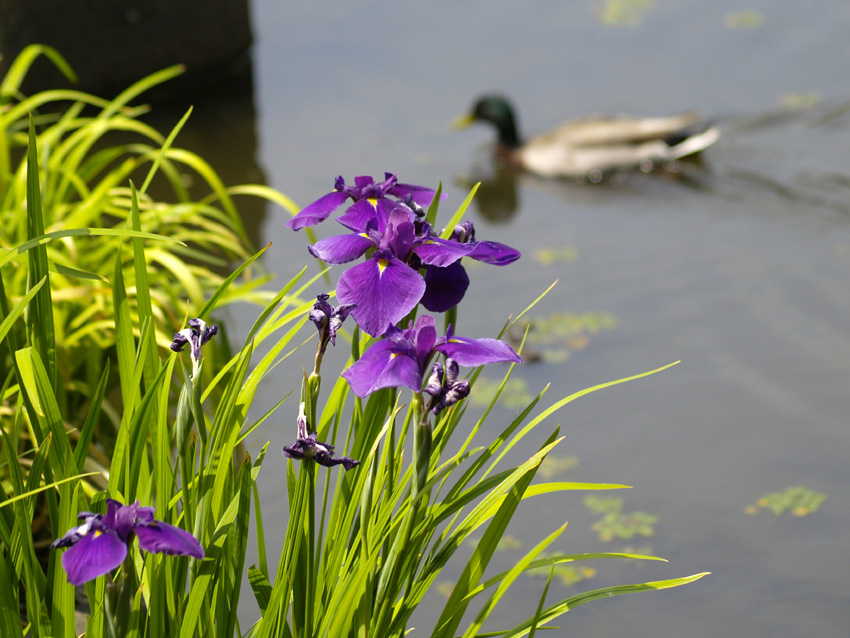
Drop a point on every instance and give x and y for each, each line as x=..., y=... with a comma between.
x=111, y=45
x=222, y=129
x=498, y=196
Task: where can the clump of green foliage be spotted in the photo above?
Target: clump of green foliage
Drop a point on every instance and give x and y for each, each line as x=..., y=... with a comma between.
x=88, y=152
x=362, y=547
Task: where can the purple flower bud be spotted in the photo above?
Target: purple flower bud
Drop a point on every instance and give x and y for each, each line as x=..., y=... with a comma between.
x=328, y=319
x=444, y=386
x=464, y=233
x=307, y=446
x=197, y=334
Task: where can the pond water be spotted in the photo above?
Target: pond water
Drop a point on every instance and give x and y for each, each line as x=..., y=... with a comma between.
x=741, y=272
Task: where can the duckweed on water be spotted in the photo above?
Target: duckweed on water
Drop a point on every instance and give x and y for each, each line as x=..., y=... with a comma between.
x=553, y=338
x=624, y=13
x=559, y=254
x=553, y=466
x=743, y=20
x=567, y=573
x=615, y=523
x=797, y=500
x=514, y=394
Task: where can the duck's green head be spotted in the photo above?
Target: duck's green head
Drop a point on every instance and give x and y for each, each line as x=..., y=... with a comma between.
x=496, y=110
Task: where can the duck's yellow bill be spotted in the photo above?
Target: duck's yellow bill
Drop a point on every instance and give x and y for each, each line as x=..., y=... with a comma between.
x=463, y=121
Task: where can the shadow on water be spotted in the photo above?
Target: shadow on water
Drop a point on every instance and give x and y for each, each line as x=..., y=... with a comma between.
x=498, y=197
x=222, y=129
x=125, y=41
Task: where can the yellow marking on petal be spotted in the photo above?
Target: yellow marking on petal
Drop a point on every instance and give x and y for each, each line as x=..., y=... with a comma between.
x=98, y=534
x=373, y=201
x=382, y=264
x=393, y=355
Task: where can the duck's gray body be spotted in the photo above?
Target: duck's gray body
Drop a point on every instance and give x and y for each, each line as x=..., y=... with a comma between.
x=595, y=145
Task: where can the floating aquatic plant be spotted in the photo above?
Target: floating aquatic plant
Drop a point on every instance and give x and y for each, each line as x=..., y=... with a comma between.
x=614, y=523
x=798, y=500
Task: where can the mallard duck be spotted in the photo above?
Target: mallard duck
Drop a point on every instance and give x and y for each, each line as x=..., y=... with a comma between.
x=594, y=146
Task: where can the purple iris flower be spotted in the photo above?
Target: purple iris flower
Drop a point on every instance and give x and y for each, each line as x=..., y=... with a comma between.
x=386, y=287
x=368, y=197
x=100, y=544
x=307, y=446
x=444, y=386
x=402, y=357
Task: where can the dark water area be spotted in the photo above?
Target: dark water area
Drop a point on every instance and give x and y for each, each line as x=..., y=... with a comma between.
x=741, y=272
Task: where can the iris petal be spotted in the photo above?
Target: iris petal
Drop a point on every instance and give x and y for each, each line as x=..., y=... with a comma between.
x=358, y=215
x=162, y=538
x=384, y=289
x=420, y=194
x=492, y=252
x=444, y=287
x=400, y=234
x=92, y=556
x=383, y=366
x=362, y=181
x=442, y=252
x=318, y=211
x=476, y=352
x=424, y=337
x=340, y=248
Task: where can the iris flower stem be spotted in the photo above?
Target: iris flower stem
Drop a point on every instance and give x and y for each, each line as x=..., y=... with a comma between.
x=312, y=386
x=311, y=549
x=185, y=461
x=388, y=584
x=320, y=353
x=117, y=601
x=421, y=443
x=289, y=562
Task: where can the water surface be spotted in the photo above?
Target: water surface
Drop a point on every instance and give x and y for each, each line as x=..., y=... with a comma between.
x=742, y=272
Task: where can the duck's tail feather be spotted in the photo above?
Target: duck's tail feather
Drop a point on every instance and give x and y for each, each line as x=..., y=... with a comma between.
x=693, y=144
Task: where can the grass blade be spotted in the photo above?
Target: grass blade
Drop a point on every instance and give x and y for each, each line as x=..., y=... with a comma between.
x=40, y=317
x=455, y=220
x=571, y=603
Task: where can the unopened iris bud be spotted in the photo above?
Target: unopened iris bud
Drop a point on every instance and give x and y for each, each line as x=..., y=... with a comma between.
x=197, y=334
x=444, y=386
x=412, y=205
x=307, y=446
x=464, y=233
x=328, y=319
